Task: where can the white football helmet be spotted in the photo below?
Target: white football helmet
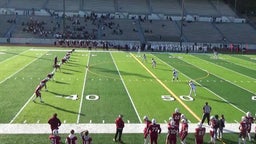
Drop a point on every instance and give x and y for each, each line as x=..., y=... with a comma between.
x=243, y=118
x=153, y=121
x=176, y=110
x=248, y=114
x=199, y=125
x=212, y=117
x=182, y=116
x=170, y=118
x=145, y=118
x=183, y=120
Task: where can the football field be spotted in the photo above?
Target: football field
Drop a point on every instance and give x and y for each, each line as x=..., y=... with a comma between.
x=109, y=83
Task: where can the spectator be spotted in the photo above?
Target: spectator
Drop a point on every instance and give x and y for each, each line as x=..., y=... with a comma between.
x=54, y=122
x=54, y=137
x=85, y=137
x=119, y=128
x=71, y=138
x=206, y=113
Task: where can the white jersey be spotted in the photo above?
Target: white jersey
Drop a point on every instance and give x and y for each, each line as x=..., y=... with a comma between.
x=192, y=85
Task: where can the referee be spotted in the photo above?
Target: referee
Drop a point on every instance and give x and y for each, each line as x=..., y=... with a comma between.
x=206, y=113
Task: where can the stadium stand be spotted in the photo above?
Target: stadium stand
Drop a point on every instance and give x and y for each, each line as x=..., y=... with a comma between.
x=238, y=33
x=70, y=5
x=26, y=4
x=144, y=21
x=201, y=32
x=99, y=5
x=171, y=7
x=200, y=7
x=133, y=6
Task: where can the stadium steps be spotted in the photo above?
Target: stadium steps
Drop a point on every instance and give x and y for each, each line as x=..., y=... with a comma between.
x=223, y=35
x=97, y=128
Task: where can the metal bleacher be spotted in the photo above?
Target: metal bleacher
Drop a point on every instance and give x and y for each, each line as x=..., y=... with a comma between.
x=133, y=6
x=26, y=4
x=200, y=7
x=70, y=5
x=99, y=5
x=166, y=6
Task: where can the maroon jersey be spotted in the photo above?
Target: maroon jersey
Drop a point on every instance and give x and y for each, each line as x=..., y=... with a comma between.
x=172, y=134
x=243, y=129
x=37, y=91
x=249, y=121
x=71, y=139
x=184, y=131
x=54, y=123
x=154, y=130
x=54, y=139
x=214, y=125
x=87, y=140
x=176, y=117
x=119, y=123
x=199, y=135
x=148, y=123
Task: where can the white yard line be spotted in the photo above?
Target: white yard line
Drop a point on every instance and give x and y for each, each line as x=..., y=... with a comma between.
x=29, y=98
x=82, y=95
x=126, y=89
x=225, y=79
x=19, y=70
x=207, y=88
x=13, y=56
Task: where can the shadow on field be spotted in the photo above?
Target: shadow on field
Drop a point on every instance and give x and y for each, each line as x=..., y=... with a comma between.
x=60, y=82
x=62, y=109
x=71, y=70
x=68, y=73
x=58, y=94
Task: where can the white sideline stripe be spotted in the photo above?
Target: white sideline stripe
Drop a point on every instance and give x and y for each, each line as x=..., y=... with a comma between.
x=82, y=94
x=13, y=57
x=20, y=69
x=98, y=128
x=29, y=98
x=126, y=89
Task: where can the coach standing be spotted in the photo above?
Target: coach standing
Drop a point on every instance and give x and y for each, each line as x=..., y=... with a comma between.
x=206, y=113
x=119, y=128
x=54, y=122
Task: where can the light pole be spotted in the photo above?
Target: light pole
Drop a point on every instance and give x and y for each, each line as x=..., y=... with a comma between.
x=181, y=23
x=64, y=19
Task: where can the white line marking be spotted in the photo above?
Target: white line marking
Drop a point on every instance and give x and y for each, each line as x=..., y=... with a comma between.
x=20, y=70
x=126, y=89
x=13, y=57
x=82, y=94
x=214, y=92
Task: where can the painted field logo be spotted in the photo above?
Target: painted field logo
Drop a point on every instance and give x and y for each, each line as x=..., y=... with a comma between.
x=71, y=97
x=186, y=98
x=92, y=97
x=167, y=98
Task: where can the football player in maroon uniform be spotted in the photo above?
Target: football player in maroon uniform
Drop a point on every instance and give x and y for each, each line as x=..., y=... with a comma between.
x=176, y=116
x=199, y=134
x=54, y=137
x=85, y=137
x=243, y=130
x=71, y=138
x=146, y=136
x=184, y=131
x=38, y=93
x=250, y=121
x=172, y=133
x=154, y=129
